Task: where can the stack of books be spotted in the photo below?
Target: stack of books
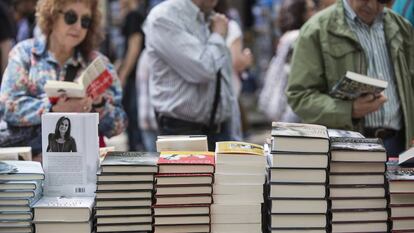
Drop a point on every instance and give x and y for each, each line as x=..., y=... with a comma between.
x=125, y=186
x=298, y=163
x=401, y=188
x=184, y=192
x=20, y=187
x=357, y=185
x=63, y=215
x=238, y=188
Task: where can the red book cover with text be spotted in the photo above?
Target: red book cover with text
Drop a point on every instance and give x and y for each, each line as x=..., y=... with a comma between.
x=186, y=162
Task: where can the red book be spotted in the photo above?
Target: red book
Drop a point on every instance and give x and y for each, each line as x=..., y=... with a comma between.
x=183, y=179
x=186, y=162
x=93, y=81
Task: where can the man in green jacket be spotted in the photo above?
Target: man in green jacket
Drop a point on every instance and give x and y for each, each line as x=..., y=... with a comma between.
x=363, y=37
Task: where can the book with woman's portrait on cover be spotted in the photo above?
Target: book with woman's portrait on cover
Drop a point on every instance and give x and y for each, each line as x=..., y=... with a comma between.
x=70, y=153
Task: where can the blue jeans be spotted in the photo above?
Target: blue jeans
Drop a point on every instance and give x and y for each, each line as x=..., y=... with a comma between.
x=395, y=145
x=148, y=139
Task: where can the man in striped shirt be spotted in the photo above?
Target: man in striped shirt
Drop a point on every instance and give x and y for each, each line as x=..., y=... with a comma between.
x=190, y=77
x=364, y=37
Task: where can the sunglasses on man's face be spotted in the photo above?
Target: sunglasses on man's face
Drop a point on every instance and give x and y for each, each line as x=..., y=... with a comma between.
x=71, y=17
x=384, y=1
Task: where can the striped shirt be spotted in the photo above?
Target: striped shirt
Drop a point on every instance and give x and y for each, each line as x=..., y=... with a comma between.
x=185, y=58
x=372, y=40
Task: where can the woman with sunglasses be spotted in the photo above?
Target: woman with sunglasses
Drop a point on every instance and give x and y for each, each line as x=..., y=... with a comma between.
x=71, y=31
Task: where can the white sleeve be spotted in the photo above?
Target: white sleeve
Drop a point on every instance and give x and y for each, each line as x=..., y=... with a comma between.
x=234, y=32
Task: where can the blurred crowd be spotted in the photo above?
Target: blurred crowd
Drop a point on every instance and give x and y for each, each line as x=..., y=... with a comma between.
x=181, y=66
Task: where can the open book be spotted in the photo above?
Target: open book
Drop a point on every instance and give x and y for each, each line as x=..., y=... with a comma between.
x=353, y=85
x=93, y=81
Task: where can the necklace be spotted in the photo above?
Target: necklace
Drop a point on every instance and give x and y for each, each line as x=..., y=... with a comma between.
x=60, y=147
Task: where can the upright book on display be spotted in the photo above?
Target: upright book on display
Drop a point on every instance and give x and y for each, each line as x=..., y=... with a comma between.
x=70, y=153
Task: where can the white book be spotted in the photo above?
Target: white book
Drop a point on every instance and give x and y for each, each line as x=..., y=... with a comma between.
x=16, y=153
x=94, y=80
x=70, y=153
x=61, y=209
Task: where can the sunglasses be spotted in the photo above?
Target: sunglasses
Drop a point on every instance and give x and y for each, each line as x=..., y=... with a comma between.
x=384, y=1
x=71, y=18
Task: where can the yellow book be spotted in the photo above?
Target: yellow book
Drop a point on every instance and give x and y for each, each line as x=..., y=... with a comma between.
x=233, y=147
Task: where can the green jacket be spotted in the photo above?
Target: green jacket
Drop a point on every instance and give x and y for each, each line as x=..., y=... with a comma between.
x=326, y=49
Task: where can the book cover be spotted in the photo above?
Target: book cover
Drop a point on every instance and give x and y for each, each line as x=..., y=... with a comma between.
x=233, y=147
x=406, y=158
x=62, y=209
x=181, y=142
x=20, y=170
x=353, y=85
x=339, y=133
x=16, y=153
x=115, y=158
x=399, y=173
x=186, y=158
x=285, y=129
x=357, y=144
x=93, y=81
x=70, y=151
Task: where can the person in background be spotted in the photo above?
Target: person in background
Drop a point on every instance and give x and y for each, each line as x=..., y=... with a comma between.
x=71, y=31
x=191, y=73
x=242, y=59
x=24, y=16
x=133, y=44
x=7, y=35
x=363, y=37
x=146, y=114
x=272, y=100
x=60, y=140
x=405, y=8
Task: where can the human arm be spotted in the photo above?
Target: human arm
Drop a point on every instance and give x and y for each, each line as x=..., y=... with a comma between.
x=307, y=89
x=242, y=58
x=130, y=61
x=5, y=47
x=22, y=98
x=112, y=118
x=194, y=60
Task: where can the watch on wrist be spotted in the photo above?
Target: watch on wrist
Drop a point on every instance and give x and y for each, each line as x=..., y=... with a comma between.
x=99, y=105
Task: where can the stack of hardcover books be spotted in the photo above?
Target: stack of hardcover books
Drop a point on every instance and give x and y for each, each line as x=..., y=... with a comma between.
x=64, y=215
x=184, y=192
x=298, y=163
x=357, y=185
x=125, y=186
x=238, y=188
x=20, y=187
x=401, y=188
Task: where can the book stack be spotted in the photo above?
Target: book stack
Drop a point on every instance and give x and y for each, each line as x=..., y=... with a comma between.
x=183, y=192
x=238, y=188
x=125, y=185
x=297, y=178
x=357, y=185
x=20, y=188
x=63, y=215
x=401, y=188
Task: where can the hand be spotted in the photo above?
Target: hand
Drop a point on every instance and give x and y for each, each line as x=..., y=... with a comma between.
x=219, y=24
x=366, y=104
x=65, y=104
x=248, y=57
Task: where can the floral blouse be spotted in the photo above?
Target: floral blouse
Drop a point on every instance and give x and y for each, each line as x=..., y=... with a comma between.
x=22, y=96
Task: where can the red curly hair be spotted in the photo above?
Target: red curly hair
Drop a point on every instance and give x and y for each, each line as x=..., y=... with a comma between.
x=47, y=11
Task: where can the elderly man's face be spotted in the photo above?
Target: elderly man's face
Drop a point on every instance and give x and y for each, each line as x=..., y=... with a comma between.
x=367, y=10
x=208, y=5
